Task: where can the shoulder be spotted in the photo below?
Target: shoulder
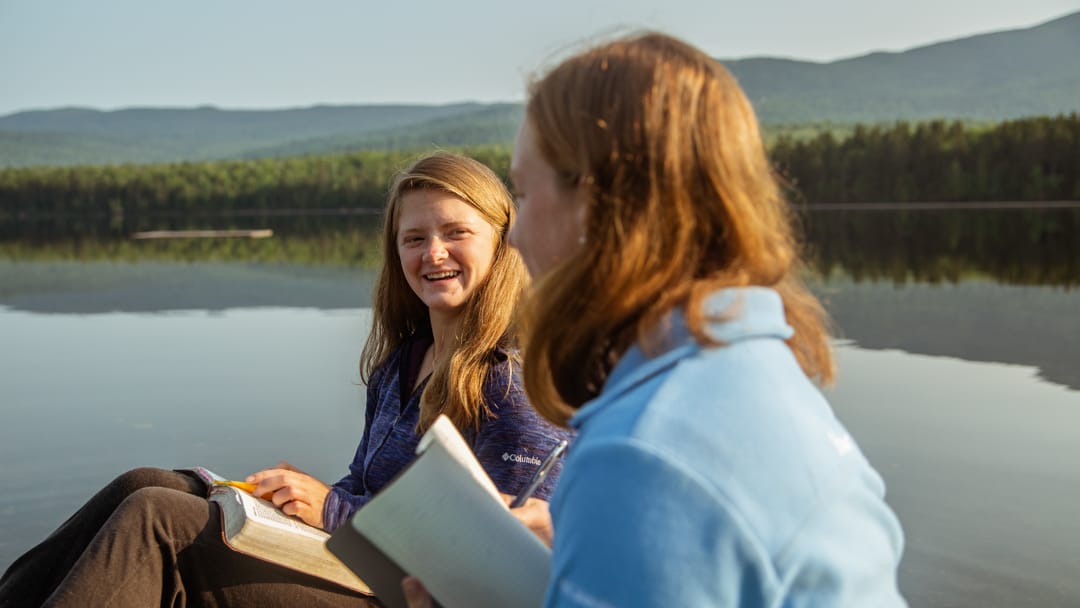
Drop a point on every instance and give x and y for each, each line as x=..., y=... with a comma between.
x=717, y=402
x=845, y=550
x=621, y=464
x=743, y=441
x=389, y=366
x=511, y=414
x=743, y=420
x=502, y=382
x=623, y=507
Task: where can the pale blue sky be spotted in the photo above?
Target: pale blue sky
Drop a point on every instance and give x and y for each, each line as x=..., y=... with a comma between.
x=271, y=54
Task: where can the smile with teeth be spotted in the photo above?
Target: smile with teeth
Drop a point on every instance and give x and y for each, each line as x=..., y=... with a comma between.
x=446, y=274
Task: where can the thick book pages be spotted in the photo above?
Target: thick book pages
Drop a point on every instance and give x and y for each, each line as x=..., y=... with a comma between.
x=256, y=527
x=442, y=520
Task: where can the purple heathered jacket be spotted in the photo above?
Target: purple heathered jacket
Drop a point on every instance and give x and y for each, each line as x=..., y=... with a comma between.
x=509, y=444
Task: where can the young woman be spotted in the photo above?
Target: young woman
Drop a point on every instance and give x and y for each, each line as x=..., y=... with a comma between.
x=441, y=343
x=669, y=326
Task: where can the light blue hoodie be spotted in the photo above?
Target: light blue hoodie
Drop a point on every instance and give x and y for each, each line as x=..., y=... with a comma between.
x=719, y=476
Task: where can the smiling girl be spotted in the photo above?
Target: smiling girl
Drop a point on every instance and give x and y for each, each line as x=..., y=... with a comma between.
x=441, y=343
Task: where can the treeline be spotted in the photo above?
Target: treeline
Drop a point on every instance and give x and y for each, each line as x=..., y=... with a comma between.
x=1035, y=159
x=358, y=179
x=1023, y=160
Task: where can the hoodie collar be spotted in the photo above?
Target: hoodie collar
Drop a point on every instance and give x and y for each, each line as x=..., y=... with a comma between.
x=733, y=314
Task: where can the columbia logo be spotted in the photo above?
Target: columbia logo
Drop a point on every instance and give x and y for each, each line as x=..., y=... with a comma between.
x=519, y=458
x=841, y=442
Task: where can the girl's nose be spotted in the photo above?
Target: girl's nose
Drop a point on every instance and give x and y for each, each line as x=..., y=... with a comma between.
x=436, y=252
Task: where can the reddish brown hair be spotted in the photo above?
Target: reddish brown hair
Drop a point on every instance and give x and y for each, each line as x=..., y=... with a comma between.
x=681, y=200
x=456, y=387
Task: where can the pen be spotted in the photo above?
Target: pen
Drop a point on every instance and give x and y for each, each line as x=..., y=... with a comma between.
x=539, y=475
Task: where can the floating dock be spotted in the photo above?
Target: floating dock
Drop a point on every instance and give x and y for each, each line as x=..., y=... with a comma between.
x=204, y=234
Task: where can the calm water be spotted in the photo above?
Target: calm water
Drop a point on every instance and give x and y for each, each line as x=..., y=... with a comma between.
x=959, y=376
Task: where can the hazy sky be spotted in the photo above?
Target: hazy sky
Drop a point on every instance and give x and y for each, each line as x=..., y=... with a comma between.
x=271, y=54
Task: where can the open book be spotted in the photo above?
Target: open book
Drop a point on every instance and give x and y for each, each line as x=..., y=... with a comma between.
x=256, y=527
x=442, y=520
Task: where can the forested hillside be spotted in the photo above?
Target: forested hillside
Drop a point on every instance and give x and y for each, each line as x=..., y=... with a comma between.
x=1030, y=159
x=1036, y=159
x=146, y=135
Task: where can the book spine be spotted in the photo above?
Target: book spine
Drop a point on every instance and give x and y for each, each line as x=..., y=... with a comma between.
x=380, y=572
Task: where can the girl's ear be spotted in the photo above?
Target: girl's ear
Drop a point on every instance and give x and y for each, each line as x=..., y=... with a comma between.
x=580, y=204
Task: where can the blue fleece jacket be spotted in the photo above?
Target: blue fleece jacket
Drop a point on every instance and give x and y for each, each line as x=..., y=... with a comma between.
x=509, y=444
x=719, y=476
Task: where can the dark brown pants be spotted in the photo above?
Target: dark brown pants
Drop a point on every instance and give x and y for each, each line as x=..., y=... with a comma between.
x=150, y=538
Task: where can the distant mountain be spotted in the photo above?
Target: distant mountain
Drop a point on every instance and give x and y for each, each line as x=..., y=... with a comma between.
x=492, y=124
x=1010, y=74
x=1027, y=72
x=74, y=135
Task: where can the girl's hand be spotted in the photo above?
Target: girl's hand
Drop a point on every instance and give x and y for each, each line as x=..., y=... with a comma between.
x=415, y=594
x=293, y=491
x=536, y=516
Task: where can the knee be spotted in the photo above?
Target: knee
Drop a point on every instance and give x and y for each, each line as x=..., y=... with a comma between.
x=163, y=512
x=142, y=477
x=149, y=500
x=136, y=478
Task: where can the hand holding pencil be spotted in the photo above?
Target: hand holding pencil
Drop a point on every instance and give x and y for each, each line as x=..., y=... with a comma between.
x=291, y=490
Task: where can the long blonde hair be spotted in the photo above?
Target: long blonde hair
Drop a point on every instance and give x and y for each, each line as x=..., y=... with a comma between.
x=680, y=200
x=456, y=386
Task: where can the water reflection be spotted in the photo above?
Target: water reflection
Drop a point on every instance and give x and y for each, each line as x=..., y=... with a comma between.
x=987, y=284
x=979, y=457
x=108, y=286
x=322, y=240
x=957, y=373
x=1015, y=246
x=1024, y=246
x=978, y=320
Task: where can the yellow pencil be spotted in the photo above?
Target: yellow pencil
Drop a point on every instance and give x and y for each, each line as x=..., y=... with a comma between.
x=243, y=485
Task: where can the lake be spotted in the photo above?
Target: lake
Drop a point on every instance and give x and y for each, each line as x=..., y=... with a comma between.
x=958, y=348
